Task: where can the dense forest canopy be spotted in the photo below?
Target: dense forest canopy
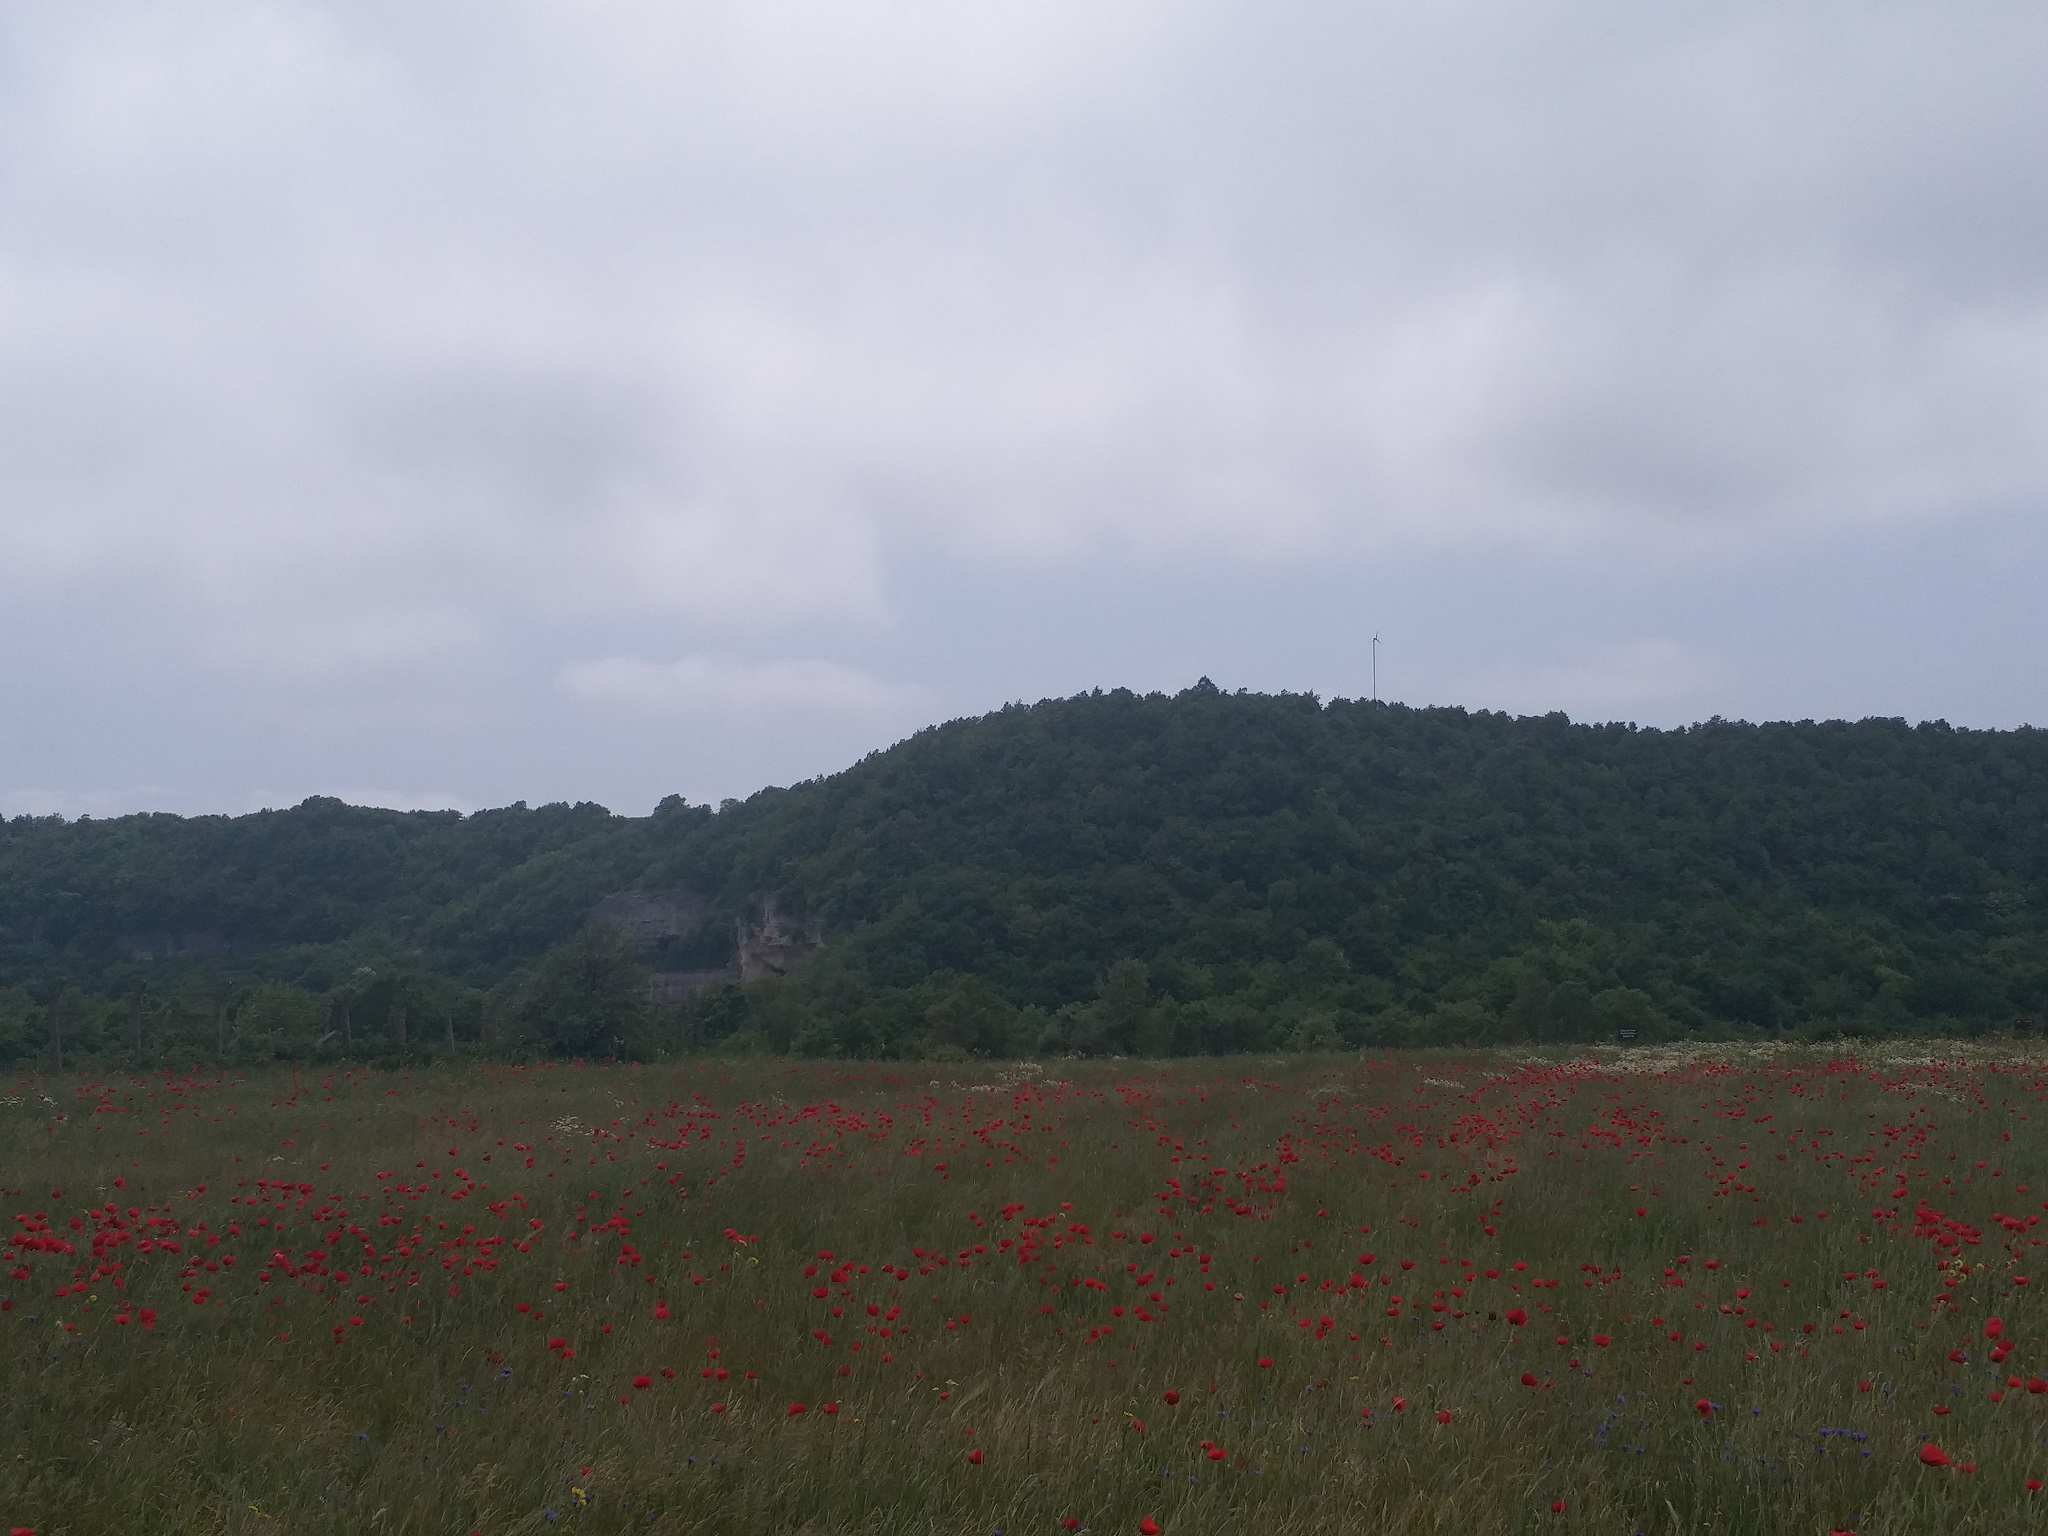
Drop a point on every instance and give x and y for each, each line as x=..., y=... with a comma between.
x=1207, y=871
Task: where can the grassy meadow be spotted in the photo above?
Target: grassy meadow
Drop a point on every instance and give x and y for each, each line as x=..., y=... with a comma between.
x=1656, y=1292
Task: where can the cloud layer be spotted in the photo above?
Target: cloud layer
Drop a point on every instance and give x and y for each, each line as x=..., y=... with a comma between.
x=373, y=364
x=722, y=688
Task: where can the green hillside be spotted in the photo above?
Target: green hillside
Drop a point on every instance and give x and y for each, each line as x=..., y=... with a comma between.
x=1111, y=872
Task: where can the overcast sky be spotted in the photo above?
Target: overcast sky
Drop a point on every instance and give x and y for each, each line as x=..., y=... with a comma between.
x=448, y=404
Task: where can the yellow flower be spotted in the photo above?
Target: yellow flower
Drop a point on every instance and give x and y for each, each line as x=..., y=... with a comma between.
x=579, y=1496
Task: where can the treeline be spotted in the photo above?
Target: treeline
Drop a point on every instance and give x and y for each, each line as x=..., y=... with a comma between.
x=1205, y=872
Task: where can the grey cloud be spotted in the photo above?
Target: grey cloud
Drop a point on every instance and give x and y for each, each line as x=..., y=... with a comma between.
x=724, y=686
x=435, y=350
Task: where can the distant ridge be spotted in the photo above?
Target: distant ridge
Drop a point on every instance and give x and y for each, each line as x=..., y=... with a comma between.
x=1201, y=871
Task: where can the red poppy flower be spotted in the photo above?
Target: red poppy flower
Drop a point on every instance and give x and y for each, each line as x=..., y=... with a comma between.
x=1993, y=1328
x=1704, y=1408
x=1528, y=1378
x=1170, y=1397
x=1601, y=1341
x=1932, y=1455
x=1215, y=1453
x=642, y=1383
x=1265, y=1364
x=1443, y=1415
x=795, y=1409
x=974, y=1457
x=1517, y=1317
x=1558, y=1506
x=1148, y=1527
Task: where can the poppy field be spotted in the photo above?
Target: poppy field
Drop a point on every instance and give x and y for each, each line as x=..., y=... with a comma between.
x=1656, y=1292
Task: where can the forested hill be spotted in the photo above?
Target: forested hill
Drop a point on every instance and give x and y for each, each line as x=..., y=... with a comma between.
x=1206, y=871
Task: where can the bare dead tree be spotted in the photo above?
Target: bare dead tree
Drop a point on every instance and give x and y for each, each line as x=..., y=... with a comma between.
x=219, y=991
x=345, y=997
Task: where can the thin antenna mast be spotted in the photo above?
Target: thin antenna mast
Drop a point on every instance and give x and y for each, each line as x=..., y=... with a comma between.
x=1375, y=669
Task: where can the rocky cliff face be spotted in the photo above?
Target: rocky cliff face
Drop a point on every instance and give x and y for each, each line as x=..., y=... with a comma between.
x=651, y=918
x=771, y=945
x=669, y=989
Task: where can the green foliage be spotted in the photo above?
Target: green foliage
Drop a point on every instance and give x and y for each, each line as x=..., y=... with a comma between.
x=280, y=1021
x=589, y=997
x=22, y=1031
x=1126, y=874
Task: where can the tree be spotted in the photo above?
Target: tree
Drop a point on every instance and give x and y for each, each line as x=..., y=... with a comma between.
x=969, y=1018
x=281, y=1019
x=589, y=995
